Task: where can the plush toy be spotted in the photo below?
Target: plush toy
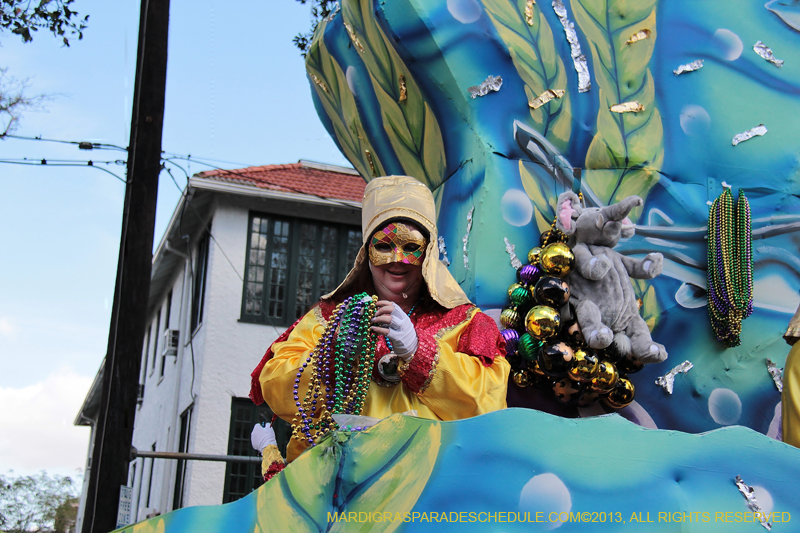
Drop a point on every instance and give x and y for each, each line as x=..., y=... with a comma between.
x=600, y=285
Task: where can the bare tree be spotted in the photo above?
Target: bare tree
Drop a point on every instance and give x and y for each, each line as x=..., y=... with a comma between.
x=13, y=101
x=25, y=18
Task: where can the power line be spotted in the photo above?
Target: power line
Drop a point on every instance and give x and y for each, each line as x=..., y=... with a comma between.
x=82, y=145
x=65, y=163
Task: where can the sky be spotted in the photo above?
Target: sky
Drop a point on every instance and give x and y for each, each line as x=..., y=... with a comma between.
x=237, y=96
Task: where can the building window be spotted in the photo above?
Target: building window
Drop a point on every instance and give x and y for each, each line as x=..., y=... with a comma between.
x=146, y=354
x=180, y=470
x=320, y=254
x=199, y=281
x=155, y=339
x=168, y=310
x=243, y=478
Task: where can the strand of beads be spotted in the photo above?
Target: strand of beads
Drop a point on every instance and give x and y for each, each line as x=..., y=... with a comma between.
x=341, y=365
x=730, y=266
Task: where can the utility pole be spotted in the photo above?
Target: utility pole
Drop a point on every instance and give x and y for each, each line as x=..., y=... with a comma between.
x=114, y=430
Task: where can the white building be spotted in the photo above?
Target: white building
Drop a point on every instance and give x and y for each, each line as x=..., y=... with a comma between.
x=245, y=253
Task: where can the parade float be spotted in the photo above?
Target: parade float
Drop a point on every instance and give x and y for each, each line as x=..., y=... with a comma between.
x=524, y=117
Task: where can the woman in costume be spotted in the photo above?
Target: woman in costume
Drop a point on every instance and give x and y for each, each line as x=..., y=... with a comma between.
x=435, y=354
x=790, y=396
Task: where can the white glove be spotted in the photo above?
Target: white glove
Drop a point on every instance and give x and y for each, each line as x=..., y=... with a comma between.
x=402, y=334
x=262, y=436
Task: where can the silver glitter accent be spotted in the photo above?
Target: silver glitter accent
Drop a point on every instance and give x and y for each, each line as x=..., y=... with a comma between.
x=578, y=59
x=689, y=67
x=750, y=495
x=776, y=373
x=465, y=239
x=492, y=83
x=764, y=51
x=443, y=251
x=667, y=381
x=515, y=262
x=749, y=134
x=334, y=12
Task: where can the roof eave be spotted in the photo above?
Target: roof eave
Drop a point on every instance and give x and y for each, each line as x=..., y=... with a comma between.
x=260, y=192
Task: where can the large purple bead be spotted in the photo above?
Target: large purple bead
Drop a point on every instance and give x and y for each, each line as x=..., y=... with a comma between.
x=512, y=337
x=529, y=274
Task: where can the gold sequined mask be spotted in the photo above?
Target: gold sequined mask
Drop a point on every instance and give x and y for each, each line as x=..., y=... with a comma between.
x=397, y=243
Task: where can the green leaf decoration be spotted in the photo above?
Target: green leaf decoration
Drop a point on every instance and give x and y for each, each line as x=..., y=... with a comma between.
x=388, y=478
x=383, y=471
x=298, y=499
x=650, y=310
x=409, y=122
x=534, y=55
x=330, y=83
x=542, y=194
x=627, y=152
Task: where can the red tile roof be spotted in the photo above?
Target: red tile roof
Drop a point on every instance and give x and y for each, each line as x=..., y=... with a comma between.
x=303, y=177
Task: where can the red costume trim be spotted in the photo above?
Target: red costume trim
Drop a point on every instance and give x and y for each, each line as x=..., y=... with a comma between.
x=273, y=469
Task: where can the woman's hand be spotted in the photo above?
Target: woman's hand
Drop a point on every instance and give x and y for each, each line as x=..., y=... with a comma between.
x=391, y=322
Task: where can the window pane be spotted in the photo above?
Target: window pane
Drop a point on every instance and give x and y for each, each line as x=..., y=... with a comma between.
x=278, y=262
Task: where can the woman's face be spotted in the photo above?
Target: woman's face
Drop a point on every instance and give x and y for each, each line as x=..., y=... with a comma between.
x=396, y=253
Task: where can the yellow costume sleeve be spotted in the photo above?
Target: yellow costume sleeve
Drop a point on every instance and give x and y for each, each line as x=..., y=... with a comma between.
x=790, y=397
x=278, y=375
x=454, y=384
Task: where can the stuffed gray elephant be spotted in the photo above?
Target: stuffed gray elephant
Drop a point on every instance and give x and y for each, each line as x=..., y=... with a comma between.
x=600, y=285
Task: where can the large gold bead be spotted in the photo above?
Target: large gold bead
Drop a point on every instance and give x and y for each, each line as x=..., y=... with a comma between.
x=542, y=322
x=606, y=378
x=585, y=366
x=512, y=287
x=521, y=378
x=509, y=318
x=621, y=395
x=557, y=259
x=534, y=255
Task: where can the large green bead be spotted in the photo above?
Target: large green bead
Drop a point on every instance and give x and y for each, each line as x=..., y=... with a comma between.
x=521, y=297
x=528, y=347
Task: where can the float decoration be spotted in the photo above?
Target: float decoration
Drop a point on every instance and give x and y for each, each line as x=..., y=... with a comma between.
x=776, y=373
x=752, y=503
x=749, y=134
x=765, y=52
x=667, y=381
x=689, y=67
